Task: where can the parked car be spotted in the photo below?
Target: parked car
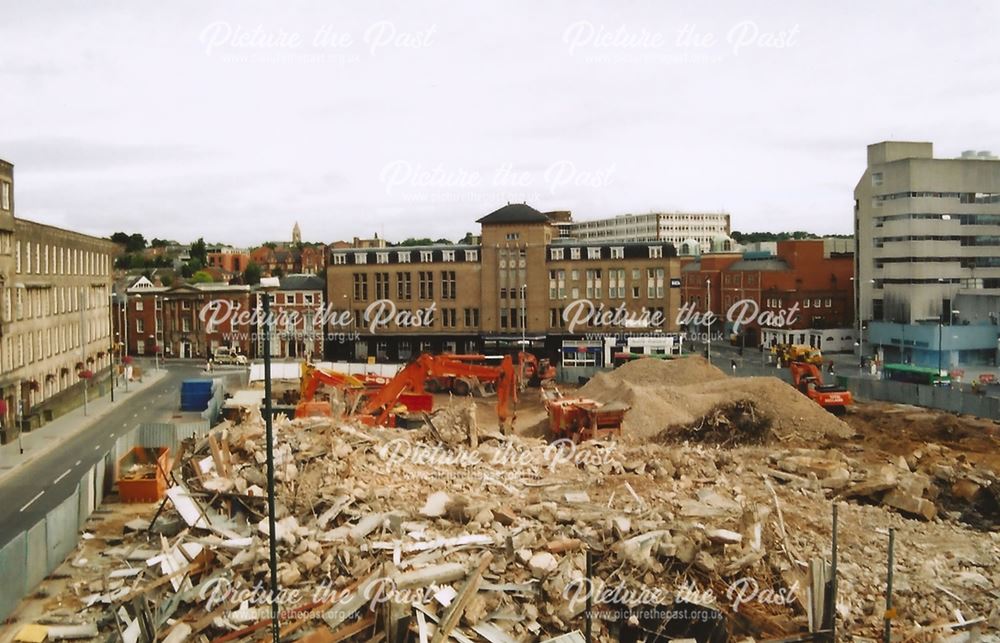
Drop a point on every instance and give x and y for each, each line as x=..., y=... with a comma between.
x=228, y=355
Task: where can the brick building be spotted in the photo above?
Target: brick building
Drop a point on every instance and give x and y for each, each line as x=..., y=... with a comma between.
x=55, y=321
x=228, y=260
x=813, y=275
x=520, y=281
x=175, y=319
x=295, y=305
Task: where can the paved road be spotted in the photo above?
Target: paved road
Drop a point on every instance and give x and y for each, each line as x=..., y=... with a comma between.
x=33, y=490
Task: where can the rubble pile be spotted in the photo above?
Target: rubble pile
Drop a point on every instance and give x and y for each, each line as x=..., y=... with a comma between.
x=455, y=529
x=662, y=397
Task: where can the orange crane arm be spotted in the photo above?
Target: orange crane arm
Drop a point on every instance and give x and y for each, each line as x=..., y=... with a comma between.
x=412, y=377
x=312, y=377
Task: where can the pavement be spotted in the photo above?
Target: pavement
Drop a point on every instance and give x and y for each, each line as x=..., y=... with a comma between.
x=57, y=454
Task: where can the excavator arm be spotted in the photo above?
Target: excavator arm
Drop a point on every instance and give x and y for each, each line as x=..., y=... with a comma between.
x=312, y=377
x=411, y=378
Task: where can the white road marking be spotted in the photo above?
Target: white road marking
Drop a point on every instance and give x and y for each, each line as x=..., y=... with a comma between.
x=77, y=463
x=32, y=500
x=65, y=473
x=97, y=447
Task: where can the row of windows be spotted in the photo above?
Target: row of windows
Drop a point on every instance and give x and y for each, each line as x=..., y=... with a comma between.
x=617, y=252
x=404, y=285
x=43, y=259
x=449, y=317
x=23, y=303
x=963, y=219
x=558, y=320
x=965, y=262
x=405, y=256
x=965, y=240
x=35, y=346
x=617, y=286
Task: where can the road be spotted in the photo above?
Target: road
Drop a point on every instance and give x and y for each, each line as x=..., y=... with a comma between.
x=36, y=488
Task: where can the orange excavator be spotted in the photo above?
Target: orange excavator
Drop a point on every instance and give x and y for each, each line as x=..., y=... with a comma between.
x=380, y=407
x=581, y=418
x=312, y=377
x=535, y=372
x=808, y=378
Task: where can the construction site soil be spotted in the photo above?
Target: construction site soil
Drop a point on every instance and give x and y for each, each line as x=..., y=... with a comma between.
x=717, y=498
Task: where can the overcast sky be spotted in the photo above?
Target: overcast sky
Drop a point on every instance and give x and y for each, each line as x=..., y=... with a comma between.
x=232, y=120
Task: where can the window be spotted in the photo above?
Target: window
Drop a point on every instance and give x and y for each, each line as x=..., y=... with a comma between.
x=381, y=257
x=448, y=255
x=138, y=305
x=616, y=283
x=307, y=299
x=381, y=285
x=513, y=236
x=655, y=252
x=186, y=324
x=574, y=253
x=360, y=286
x=448, y=318
x=556, y=254
x=876, y=178
x=403, y=257
x=27, y=267
x=360, y=258
x=472, y=255
x=448, y=290
x=404, y=287
x=816, y=303
x=426, y=284
x=557, y=284
x=805, y=304
x=616, y=253
x=593, y=284
x=828, y=303
x=472, y=317
x=593, y=253
x=427, y=256
x=140, y=325
x=654, y=283
x=5, y=195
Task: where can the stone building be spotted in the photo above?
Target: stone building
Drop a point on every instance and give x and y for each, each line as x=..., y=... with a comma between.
x=55, y=314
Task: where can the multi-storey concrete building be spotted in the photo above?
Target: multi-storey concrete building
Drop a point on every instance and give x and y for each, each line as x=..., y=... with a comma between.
x=522, y=285
x=690, y=232
x=928, y=254
x=55, y=313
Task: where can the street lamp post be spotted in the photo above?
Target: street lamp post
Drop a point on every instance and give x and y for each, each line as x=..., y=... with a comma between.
x=708, y=298
x=524, y=319
x=125, y=373
x=111, y=342
x=269, y=436
x=156, y=353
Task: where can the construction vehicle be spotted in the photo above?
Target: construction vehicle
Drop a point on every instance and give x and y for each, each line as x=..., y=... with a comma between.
x=458, y=380
x=580, y=418
x=381, y=406
x=808, y=378
x=350, y=386
x=789, y=353
x=534, y=371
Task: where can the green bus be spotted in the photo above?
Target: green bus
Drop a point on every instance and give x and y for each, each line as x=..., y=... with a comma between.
x=914, y=374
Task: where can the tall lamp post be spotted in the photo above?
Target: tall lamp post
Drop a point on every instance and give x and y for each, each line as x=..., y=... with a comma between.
x=269, y=436
x=125, y=373
x=708, y=298
x=111, y=341
x=524, y=319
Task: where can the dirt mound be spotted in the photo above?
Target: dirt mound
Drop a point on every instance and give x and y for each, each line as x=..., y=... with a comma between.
x=729, y=425
x=665, y=396
x=677, y=372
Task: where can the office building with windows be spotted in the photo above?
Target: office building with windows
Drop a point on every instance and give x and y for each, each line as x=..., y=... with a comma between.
x=522, y=285
x=928, y=255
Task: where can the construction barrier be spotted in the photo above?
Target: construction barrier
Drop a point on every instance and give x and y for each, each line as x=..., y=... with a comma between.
x=35, y=553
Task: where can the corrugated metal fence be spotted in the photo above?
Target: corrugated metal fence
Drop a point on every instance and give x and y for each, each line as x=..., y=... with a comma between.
x=36, y=552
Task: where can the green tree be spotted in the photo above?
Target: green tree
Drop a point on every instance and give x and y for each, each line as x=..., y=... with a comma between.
x=158, y=243
x=425, y=241
x=199, y=251
x=201, y=277
x=121, y=238
x=136, y=243
x=167, y=279
x=251, y=275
